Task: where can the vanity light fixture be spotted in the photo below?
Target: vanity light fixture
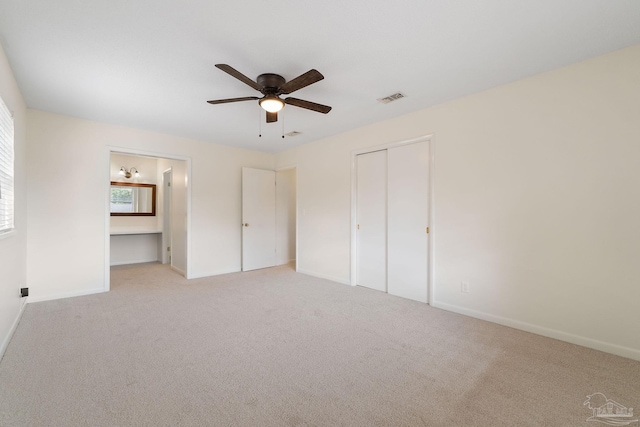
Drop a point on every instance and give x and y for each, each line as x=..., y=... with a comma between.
x=127, y=173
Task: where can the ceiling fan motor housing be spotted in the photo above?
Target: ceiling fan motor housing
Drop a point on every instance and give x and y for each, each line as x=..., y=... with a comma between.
x=271, y=82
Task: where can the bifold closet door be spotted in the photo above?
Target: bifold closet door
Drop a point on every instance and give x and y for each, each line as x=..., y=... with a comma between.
x=371, y=212
x=408, y=219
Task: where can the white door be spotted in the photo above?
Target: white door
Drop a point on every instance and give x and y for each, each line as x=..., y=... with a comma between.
x=166, y=218
x=371, y=214
x=258, y=219
x=408, y=218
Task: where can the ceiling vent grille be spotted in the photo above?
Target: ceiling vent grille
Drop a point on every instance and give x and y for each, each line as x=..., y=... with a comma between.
x=293, y=133
x=391, y=98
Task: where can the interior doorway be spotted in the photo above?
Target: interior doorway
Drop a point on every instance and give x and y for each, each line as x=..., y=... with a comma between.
x=269, y=217
x=160, y=235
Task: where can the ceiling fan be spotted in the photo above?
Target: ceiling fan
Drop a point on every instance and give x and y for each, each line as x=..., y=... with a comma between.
x=272, y=86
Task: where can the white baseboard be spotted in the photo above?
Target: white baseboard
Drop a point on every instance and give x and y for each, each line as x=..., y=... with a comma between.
x=14, y=326
x=228, y=271
x=541, y=330
x=138, y=261
x=178, y=270
x=66, y=295
x=214, y=273
x=324, y=276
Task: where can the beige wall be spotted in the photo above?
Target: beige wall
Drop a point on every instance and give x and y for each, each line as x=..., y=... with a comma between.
x=13, y=247
x=536, y=201
x=66, y=243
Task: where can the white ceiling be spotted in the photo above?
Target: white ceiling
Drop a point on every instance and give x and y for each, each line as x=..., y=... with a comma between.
x=150, y=63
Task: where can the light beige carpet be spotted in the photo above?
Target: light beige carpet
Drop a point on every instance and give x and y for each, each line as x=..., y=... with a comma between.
x=278, y=348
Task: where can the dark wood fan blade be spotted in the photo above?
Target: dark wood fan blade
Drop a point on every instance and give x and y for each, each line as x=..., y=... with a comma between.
x=272, y=117
x=238, y=75
x=301, y=81
x=324, y=109
x=225, y=101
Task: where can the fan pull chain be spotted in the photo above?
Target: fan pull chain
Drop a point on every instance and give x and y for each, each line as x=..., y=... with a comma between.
x=260, y=123
x=282, y=117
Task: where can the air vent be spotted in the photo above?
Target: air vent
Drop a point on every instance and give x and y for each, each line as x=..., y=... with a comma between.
x=391, y=98
x=293, y=133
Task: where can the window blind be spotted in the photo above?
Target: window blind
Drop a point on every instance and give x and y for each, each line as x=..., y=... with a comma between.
x=6, y=169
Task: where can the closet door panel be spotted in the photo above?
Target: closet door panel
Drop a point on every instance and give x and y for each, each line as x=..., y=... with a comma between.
x=371, y=212
x=408, y=219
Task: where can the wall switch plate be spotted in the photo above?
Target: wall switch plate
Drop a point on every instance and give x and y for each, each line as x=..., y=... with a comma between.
x=464, y=286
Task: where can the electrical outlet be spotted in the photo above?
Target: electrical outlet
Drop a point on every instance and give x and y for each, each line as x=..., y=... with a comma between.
x=24, y=292
x=464, y=286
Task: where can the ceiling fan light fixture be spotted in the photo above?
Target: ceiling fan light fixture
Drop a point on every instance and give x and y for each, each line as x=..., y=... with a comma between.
x=271, y=86
x=272, y=104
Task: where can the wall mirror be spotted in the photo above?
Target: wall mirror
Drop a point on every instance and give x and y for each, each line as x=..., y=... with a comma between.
x=132, y=199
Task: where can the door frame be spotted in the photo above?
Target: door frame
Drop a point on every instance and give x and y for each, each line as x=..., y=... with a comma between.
x=107, y=191
x=354, y=193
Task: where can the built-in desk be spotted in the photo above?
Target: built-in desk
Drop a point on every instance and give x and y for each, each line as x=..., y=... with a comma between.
x=132, y=245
